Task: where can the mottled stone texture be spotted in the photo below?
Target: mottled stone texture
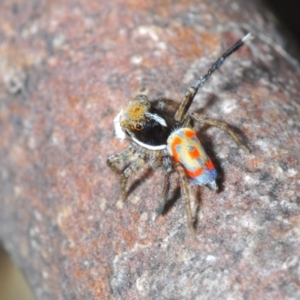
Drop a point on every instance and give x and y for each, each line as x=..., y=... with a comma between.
x=67, y=67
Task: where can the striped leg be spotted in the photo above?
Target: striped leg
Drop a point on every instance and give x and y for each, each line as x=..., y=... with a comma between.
x=121, y=157
x=130, y=170
x=185, y=195
x=164, y=195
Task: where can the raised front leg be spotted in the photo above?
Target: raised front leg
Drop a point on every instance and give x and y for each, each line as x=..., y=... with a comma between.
x=185, y=104
x=222, y=125
x=192, y=91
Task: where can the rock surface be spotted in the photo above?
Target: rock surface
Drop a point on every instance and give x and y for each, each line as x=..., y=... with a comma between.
x=66, y=69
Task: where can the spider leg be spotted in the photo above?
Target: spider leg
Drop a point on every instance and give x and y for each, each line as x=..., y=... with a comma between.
x=130, y=170
x=185, y=194
x=185, y=104
x=190, y=94
x=166, y=162
x=222, y=125
x=121, y=157
x=164, y=195
x=155, y=161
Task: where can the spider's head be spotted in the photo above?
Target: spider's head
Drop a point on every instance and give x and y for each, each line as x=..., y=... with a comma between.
x=143, y=123
x=134, y=115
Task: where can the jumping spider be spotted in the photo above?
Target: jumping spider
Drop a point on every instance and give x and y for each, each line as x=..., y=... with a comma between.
x=170, y=143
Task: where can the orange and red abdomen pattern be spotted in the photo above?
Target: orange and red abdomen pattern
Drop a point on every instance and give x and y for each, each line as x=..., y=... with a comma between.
x=186, y=149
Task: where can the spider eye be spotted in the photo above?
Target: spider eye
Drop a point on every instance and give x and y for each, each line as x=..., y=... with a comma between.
x=138, y=126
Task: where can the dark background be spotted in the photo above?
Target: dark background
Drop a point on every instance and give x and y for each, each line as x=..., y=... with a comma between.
x=288, y=13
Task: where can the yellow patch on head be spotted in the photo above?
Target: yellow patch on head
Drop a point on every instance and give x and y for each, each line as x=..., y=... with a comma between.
x=136, y=111
x=134, y=114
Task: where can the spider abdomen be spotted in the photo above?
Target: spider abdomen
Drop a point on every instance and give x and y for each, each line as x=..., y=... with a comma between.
x=186, y=149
